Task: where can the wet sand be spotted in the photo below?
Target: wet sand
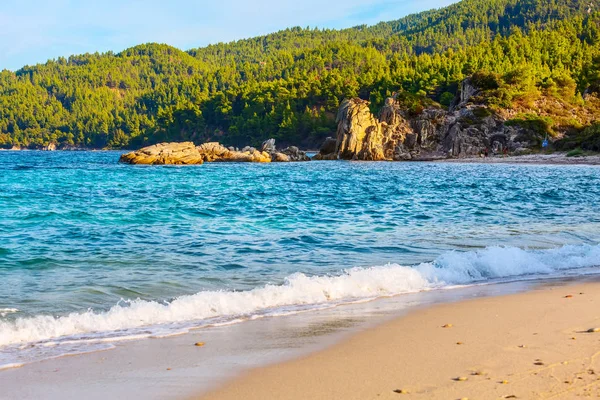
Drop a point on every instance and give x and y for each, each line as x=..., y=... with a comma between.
x=174, y=368
x=533, y=345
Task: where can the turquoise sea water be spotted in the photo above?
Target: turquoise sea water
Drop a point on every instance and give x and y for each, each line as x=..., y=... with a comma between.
x=92, y=251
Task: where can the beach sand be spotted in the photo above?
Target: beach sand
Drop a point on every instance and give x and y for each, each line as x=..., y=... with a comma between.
x=558, y=158
x=533, y=345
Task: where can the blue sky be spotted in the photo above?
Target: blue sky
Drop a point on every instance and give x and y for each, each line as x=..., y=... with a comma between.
x=34, y=31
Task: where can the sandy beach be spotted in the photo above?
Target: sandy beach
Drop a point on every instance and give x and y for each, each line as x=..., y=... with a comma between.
x=535, y=345
x=558, y=158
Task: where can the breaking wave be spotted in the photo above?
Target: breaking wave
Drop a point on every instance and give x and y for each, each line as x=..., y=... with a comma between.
x=299, y=292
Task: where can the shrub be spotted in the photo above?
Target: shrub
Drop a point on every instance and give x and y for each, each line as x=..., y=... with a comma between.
x=486, y=80
x=539, y=124
x=446, y=99
x=575, y=153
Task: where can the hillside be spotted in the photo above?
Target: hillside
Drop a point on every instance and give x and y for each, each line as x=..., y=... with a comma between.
x=288, y=85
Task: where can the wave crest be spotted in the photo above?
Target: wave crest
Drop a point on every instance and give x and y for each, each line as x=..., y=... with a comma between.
x=300, y=291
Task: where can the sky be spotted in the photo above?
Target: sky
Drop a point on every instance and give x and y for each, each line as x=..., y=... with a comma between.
x=34, y=31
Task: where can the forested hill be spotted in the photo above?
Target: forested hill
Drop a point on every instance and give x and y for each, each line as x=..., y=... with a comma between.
x=288, y=85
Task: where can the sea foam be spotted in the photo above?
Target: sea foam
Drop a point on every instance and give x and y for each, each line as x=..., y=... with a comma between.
x=302, y=292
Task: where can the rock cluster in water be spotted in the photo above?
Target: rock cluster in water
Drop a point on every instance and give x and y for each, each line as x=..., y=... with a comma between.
x=467, y=129
x=187, y=153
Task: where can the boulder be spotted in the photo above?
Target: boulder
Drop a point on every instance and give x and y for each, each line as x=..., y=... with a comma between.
x=216, y=152
x=295, y=154
x=164, y=153
x=329, y=146
x=281, y=157
x=269, y=146
x=187, y=153
x=327, y=150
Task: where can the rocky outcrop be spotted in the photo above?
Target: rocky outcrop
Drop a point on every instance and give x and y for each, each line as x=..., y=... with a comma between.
x=466, y=92
x=467, y=129
x=294, y=154
x=289, y=154
x=215, y=152
x=187, y=153
x=359, y=133
x=362, y=136
x=164, y=153
x=328, y=150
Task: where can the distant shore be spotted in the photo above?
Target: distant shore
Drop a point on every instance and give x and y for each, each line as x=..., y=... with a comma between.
x=523, y=346
x=553, y=158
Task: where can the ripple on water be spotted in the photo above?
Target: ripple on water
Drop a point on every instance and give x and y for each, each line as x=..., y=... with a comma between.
x=88, y=231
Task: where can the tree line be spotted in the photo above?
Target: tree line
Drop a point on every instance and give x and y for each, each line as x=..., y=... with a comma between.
x=288, y=85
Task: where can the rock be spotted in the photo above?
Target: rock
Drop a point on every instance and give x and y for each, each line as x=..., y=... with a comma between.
x=389, y=113
x=593, y=330
x=468, y=129
x=328, y=150
x=461, y=379
x=359, y=135
x=215, y=152
x=281, y=157
x=466, y=92
x=187, y=153
x=199, y=344
x=329, y=146
x=447, y=326
x=288, y=154
x=164, y=153
x=295, y=154
x=269, y=146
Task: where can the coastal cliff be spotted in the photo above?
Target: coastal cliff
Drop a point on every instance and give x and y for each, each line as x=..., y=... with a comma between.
x=468, y=128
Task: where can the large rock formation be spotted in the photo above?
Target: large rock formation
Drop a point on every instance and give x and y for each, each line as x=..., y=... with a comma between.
x=359, y=133
x=467, y=129
x=187, y=153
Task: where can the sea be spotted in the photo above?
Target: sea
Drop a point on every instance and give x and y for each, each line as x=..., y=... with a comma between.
x=93, y=252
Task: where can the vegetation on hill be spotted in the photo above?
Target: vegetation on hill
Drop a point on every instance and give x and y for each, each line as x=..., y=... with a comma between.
x=532, y=57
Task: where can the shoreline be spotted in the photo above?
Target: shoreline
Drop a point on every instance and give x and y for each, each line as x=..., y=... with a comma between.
x=174, y=368
x=527, y=345
x=556, y=158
